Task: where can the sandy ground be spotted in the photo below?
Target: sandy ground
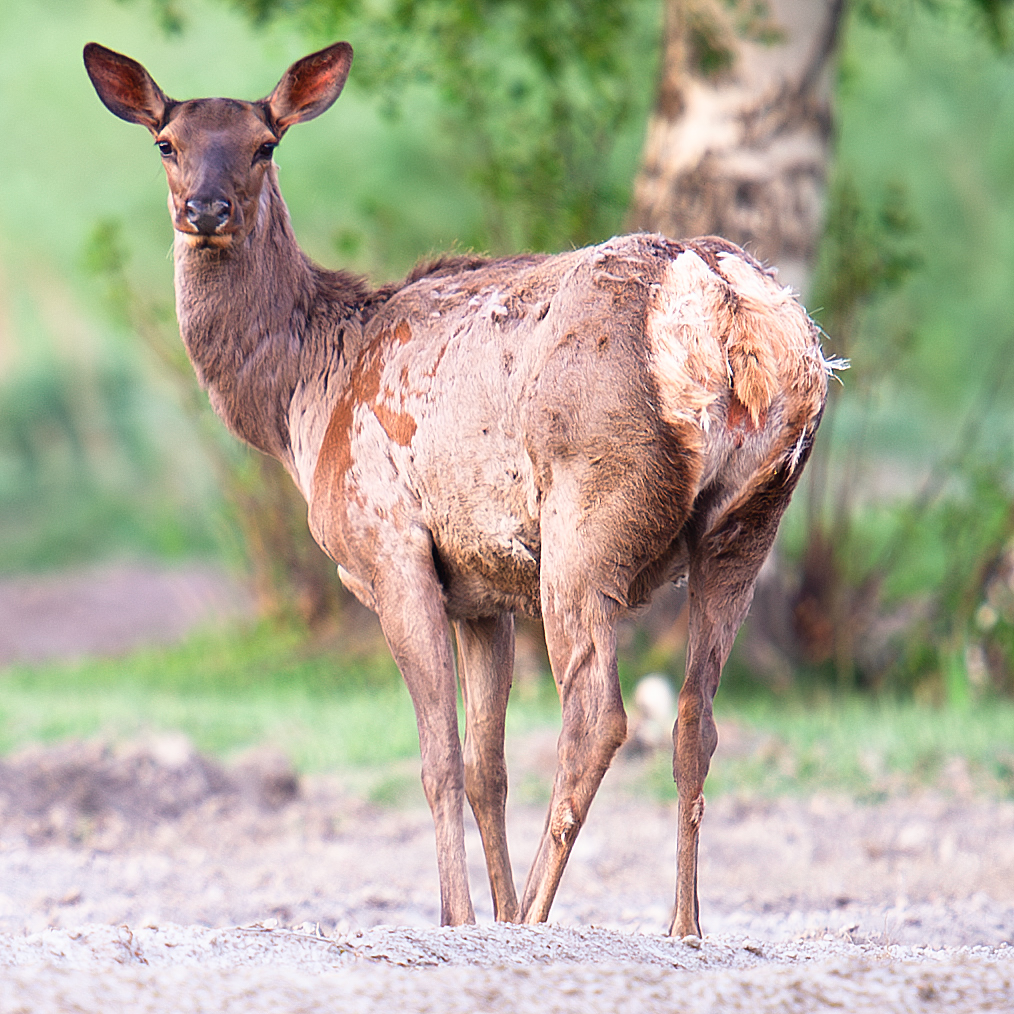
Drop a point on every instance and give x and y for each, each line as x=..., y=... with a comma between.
x=147, y=878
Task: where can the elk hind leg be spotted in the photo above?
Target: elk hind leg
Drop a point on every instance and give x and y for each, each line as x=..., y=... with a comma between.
x=581, y=639
x=485, y=670
x=723, y=571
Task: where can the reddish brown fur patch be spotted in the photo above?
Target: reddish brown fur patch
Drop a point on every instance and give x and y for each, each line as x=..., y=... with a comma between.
x=754, y=367
x=739, y=417
x=365, y=382
x=432, y=371
x=335, y=449
x=364, y=387
x=333, y=463
x=335, y=456
x=399, y=426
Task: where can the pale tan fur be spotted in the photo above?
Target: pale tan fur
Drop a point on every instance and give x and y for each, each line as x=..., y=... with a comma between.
x=686, y=325
x=773, y=345
x=737, y=331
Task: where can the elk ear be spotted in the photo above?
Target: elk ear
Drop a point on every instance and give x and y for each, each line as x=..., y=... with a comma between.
x=309, y=86
x=125, y=87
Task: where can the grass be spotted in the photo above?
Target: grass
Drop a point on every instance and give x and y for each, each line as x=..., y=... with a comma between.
x=333, y=712
x=869, y=749
x=226, y=694
x=260, y=686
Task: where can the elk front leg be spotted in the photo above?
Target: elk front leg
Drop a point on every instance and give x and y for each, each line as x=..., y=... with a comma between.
x=485, y=670
x=582, y=651
x=410, y=606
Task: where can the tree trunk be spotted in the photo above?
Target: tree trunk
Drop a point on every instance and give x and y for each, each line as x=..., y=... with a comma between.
x=739, y=139
x=738, y=145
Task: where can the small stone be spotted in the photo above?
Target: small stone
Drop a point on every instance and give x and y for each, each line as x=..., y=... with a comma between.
x=692, y=940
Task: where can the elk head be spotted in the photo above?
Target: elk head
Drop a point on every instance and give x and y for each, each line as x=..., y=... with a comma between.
x=217, y=152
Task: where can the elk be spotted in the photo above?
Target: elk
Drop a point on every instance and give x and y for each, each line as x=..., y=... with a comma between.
x=551, y=435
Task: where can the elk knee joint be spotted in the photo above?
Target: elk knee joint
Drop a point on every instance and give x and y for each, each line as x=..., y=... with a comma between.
x=564, y=824
x=695, y=812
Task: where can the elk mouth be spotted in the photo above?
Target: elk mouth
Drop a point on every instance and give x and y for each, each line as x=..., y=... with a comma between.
x=205, y=241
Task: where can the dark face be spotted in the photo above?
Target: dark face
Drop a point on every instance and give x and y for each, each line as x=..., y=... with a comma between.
x=216, y=153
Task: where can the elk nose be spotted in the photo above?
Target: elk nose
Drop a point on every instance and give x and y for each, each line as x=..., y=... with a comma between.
x=207, y=217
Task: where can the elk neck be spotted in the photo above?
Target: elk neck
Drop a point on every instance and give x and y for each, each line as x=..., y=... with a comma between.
x=270, y=334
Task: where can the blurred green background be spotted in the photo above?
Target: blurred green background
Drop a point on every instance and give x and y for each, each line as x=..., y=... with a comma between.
x=901, y=532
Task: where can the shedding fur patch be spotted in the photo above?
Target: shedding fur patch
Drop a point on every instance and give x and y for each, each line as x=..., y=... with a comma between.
x=773, y=344
x=687, y=324
x=734, y=336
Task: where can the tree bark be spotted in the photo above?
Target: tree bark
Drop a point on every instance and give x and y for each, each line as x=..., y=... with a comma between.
x=739, y=139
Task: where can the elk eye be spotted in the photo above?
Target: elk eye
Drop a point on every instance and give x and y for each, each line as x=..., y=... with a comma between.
x=265, y=150
x=166, y=148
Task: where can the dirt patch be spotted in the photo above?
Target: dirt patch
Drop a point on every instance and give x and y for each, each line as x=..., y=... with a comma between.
x=147, y=877
x=112, y=609
x=104, y=797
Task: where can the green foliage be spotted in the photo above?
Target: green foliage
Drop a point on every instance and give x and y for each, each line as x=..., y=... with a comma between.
x=961, y=647
x=83, y=471
x=907, y=494
x=991, y=18
x=996, y=15
x=867, y=249
x=169, y=17
x=333, y=712
x=869, y=750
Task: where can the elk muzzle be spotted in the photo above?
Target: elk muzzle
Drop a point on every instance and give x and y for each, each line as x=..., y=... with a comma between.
x=208, y=216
